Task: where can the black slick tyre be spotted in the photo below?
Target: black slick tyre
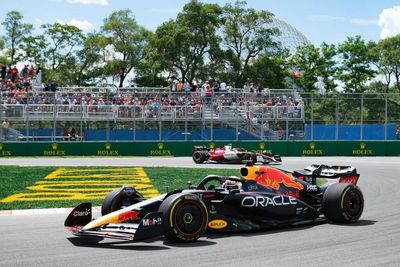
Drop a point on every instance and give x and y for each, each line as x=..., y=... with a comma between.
x=249, y=157
x=343, y=203
x=199, y=157
x=185, y=217
x=118, y=198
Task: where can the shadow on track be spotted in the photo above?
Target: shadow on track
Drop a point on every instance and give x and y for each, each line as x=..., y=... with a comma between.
x=95, y=242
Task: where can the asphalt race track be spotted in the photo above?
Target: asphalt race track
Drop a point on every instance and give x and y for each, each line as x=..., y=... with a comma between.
x=41, y=240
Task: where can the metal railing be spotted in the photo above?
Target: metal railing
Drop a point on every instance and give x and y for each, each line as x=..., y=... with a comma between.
x=271, y=115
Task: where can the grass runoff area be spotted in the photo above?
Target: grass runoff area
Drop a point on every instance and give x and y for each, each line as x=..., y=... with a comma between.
x=56, y=187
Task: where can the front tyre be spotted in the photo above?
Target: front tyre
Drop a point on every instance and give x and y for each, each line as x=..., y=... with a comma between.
x=120, y=197
x=343, y=203
x=185, y=217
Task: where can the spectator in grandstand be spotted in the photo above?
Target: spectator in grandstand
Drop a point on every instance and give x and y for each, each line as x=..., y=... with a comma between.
x=187, y=86
x=73, y=135
x=222, y=87
x=215, y=87
x=280, y=132
x=66, y=134
x=24, y=72
x=194, y=86
x=31, y=71
x=246, y=88
x=3, y=72
x=14, y=73
x=53, y=86
x=179, y=86
x=260, y=88
x=266, y=129
x=6, y=127
x=173, y=86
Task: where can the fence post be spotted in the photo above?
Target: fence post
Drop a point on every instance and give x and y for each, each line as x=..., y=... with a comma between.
x=362, y=117
x=337, y=118
x=386, y=119
x=312, y=116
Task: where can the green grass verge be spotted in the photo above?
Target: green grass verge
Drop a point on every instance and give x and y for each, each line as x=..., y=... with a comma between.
x=15, y=179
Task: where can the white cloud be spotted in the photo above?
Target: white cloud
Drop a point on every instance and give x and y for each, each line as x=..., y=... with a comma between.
x=89, y=2
x=364, y=21
x=389, y=21
x=84, y=25
x=325, y=18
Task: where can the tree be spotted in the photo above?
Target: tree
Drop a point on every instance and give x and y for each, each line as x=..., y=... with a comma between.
x=126, y=40
x=34, y=48
x=328, y=68
x=63, y=42
x=15, y=30
x=307, y=60
x=386, y=57
x=185, y=45
x=269, y=72
x=247, y=33
x=89, y=59
x=355, y=68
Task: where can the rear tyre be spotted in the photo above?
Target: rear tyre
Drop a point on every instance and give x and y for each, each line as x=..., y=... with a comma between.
x=185, y=217
x=199, y=157
x=249, y=157
x=343, y=203
x=120, y=197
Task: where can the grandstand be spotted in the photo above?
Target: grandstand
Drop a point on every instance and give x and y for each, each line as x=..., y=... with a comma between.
x=149, y=114
x=157, y=114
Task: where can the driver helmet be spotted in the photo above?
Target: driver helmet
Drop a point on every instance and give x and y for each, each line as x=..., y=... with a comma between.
x=265, y=152
x=228, y=147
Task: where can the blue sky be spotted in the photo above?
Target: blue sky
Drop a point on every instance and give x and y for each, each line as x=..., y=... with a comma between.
x=329, y=21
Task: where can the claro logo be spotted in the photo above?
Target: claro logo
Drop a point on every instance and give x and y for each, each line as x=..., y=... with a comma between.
x=217, y=224
x=78, y=213
x=264, y=201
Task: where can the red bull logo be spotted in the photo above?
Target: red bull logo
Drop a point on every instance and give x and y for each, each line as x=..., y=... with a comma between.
x=270, y=177
x=128, y=215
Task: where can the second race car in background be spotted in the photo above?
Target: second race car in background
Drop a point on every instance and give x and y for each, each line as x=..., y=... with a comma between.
x=228, y=154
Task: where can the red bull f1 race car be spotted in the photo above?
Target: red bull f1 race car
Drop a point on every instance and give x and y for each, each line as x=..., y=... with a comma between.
x=227, y=154
x=262, y=197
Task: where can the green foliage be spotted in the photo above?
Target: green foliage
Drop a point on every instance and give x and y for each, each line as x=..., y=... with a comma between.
x=183, y=45
x=64, y=40
x=127, y=41
x=15, y=30
x=35, y=48
x=355, y=67
x=247, y=33
x=308, y=61
x=270, y=72
x=386, y=56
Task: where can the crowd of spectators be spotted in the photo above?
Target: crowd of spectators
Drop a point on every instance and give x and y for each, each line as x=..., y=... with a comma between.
x=16, y=89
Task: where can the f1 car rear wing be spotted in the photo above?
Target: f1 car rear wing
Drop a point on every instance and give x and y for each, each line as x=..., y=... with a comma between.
x=197, y=148
x=345, y=174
